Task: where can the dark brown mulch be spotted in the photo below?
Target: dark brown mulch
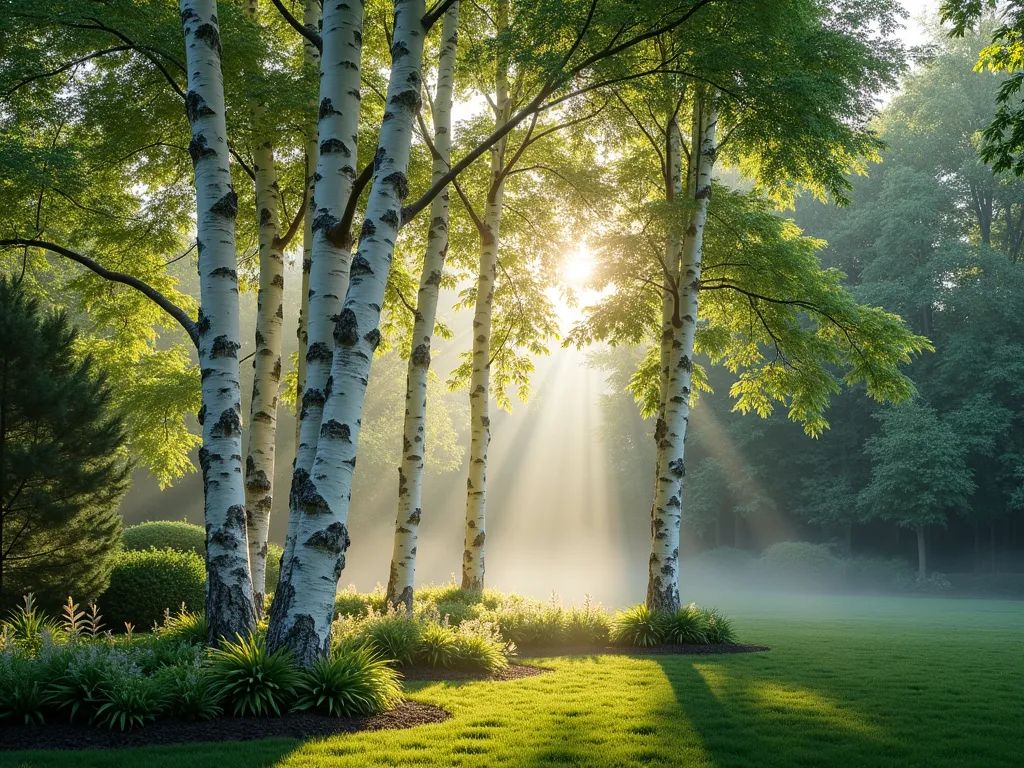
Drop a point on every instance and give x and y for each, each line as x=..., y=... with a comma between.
x=511, y=672
x=654, y=650
x=297, y=725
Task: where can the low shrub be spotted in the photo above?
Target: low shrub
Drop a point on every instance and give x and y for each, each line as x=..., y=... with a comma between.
x=687, y=625
x=146, y=584
x=530, y=624
x=587, y=624
x=352, y=604
x=22, y=696
x=479, y=645
x=874, y=574
x=392, y=635
x=437, y=647
x=27, y=627
x=718, y=628
x=800, y=564
x=352, y=681
x=130, y=700
x=166, y=534
x=914, y=582
x=639, y=626
x=251, y=680
x=192, y=693
x=185, y=626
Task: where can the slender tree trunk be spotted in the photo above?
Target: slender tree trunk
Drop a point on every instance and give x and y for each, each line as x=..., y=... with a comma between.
x=259, y=462
x=479, y=385
x=663, y=575
x=922, y=556
x=229, y=600
x=410, y=474
x=310, y=19
x=329, y=270
x=304, y=603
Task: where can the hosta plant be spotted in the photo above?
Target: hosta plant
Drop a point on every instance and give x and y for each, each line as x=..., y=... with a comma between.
x=251, y=680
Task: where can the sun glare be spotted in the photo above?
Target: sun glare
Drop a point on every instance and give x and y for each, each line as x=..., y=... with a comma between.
x=577, y=267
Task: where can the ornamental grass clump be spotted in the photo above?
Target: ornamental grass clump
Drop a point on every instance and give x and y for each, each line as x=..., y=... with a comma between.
x=393, y=635
x=352, y=681
x=687, y=626
x=251, y=680
x=639, y=626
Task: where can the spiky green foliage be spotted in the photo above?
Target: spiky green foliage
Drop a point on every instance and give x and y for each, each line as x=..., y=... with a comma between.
x=640, y=626
x=353, y=681
x=28, y=626
x=719, y=628
x=22, y=696
x=476, y=649
x=185, y=625
x=166, y=534
x=63, y=469
x=191, y=693
x=130, y=701
x=686, y=626
x=393, y=635
x=252, y=681
x=437, y=646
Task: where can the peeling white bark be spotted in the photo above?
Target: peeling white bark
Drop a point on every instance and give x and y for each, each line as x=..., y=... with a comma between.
x=663, y=575
x=304, y=603
x=310, y=19
x=479, y=385
x=410, y=483
x=259, y=462
x=229, y=599
x=338, y=127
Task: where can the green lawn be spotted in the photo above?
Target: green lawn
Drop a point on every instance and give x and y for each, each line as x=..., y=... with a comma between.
x=849, y=682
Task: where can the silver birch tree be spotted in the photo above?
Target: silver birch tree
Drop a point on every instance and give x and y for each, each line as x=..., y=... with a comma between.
x=401, y=582
x=338, y=128
x=663, y=584
x=304, y=603
x=229, y=599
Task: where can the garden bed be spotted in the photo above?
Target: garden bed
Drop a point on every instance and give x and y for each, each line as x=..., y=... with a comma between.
x=296, y=725
x=694, y=649
x=511, y=672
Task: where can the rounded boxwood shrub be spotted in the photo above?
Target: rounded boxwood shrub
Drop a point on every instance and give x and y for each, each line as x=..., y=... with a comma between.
x=800, y=563
x=163, y=534
x=146, y=584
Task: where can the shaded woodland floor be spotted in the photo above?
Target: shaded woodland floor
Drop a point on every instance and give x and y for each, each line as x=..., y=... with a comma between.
x=848, y=682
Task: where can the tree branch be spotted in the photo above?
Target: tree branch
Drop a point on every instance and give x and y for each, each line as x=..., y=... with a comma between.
x=69, y=65
x=146, y=289
x=299, y=27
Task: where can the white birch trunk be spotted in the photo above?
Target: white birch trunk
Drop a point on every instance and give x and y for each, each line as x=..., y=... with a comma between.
x=311, y=20
x=229, y=599
x=473, y=565
x=304, y=603
x=259, y=462
x=336, y=170
x=663, y=575
x=410, y=474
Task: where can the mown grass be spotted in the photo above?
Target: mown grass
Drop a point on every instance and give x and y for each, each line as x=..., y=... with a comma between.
x=849, y=682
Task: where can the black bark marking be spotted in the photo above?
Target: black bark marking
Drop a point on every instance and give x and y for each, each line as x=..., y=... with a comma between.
x=327, y=108
x=373, y=339
x=333, y=539
x=228, y=424
x=304, y=495
x=224, y=272
x=227, y=206
x=400, y=183
x=224, y=347
x=368, y=230
x=421, y=355
x=335, y=430
x=264, y=217
x=197, y=150
x=346, y=328
x=196, y=107
x=390, y=218
x=360, y=266
x=209, y=34
x=335, y=146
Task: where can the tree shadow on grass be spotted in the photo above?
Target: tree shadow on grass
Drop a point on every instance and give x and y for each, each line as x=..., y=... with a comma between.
x=749, y=719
